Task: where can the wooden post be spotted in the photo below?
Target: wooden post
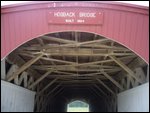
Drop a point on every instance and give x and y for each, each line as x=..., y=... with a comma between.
x=3, y=69
x=147, y=78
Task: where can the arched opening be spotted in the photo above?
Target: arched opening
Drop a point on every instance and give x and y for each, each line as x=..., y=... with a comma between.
x=78, y=106
x=67, y=65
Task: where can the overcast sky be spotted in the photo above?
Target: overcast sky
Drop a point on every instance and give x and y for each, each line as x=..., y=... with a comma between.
x=143, y=3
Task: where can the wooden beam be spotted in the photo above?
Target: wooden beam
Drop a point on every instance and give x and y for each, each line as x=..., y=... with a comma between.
x=92, y=91
x=96, y=92
x=62, y=77
x=81, y=53
x=74, y=75
x=77, y=65
x=140, y=74
x=105, y=61
x=77, y=81
x=98, y=46
x=60, y=40
x=24, y=67
x=73, y=63
x=105, y=86
x=54, y=89
x=73, y=43
x=72, y=69
x=58, y=91
x=87, y=44
x=101, y=47
x=48, y=59
x=128, y=70
x=147, y=78
x=40, y=79
x=40, y=41
x=47, y=100
x=12, y=70
x=3, y=69
x=135, y=62
x=77, y=85
x=77, y=52
x=20, y=62
x=86, y=51
x=100, y=90
x=93, y=41
x=48, y=85
x=112, y=80
x=61, y=72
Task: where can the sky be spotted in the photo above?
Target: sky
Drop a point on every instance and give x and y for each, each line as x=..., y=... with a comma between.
x=142, y=3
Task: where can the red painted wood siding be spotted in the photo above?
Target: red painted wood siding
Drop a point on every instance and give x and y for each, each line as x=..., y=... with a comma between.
x=125, y=24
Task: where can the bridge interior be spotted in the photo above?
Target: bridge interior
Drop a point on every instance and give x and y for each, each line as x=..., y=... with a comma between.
x=66, y=66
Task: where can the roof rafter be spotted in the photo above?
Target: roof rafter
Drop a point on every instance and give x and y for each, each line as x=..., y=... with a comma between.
x=24, y=67
x=126, y=68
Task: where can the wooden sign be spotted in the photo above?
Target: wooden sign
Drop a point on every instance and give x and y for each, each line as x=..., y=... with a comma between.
x=74, y=16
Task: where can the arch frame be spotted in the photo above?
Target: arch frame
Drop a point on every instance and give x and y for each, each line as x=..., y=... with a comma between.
x=116, y=16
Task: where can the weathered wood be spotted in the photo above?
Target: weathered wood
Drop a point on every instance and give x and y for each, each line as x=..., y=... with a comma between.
x=20, y=62
x=58, y=92
x=105, y=86
x=90, y=89
x=53, y=89
x=74, y=68
x=77, y=81
x=60, y=40
x=48, y=85
x=76, y=52
x=112, y=80
x=23, y=77
x=3, y=69
x=135, y=63
x=76, y=65
x=46, y=101
x=100, y=47
x=140, y=74
x=105, y=61
x=48, y=59
x=93, y=41
x=128, y=70
x=73, y=43
x=24, y=67
x=12, y=70
x=128, y=83
x=76, y=62
x=73, y=63
x=96, y=92
x=124, y=83
x=100, y=90
x=40, y=41
x=147, y=78
x=30, y=81
x=40, y=79
x=60, y=72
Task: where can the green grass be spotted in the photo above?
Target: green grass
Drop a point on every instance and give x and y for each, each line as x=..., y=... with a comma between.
x=78, y=109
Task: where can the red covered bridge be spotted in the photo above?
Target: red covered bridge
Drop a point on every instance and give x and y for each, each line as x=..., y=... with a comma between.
x=101, y=41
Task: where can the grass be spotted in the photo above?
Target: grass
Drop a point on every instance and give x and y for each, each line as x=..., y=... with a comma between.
x=78, y=109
